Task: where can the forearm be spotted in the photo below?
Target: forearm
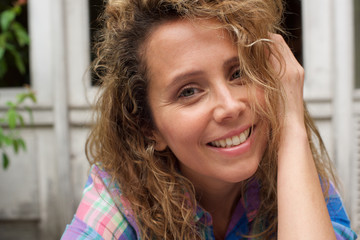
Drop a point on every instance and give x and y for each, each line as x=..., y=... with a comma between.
x=302, y=209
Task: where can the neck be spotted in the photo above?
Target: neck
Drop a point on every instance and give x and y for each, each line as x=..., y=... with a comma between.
x=220, y=202
x=217, y=197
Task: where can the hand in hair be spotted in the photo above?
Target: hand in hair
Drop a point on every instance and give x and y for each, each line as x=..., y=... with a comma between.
x=291, y=74
x=301, y=204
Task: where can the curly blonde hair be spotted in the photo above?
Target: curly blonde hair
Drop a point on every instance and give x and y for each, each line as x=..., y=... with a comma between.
x=162, y=200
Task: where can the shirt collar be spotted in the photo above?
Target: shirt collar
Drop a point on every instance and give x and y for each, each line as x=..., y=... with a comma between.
x=248, y=204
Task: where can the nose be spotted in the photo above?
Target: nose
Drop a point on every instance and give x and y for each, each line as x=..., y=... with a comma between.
x=229, y=102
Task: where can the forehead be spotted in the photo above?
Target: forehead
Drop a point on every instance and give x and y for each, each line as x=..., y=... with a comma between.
x=186, y=28
x=179, y=42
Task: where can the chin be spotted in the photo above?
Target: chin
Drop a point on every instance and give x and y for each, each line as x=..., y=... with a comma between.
x=239, y=176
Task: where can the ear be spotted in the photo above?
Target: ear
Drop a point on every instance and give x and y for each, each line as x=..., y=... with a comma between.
x=160, y=143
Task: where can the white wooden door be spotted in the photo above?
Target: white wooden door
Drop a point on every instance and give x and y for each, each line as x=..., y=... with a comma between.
x=42, y=187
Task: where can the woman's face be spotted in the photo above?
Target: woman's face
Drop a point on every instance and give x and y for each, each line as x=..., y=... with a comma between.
x=200, y=103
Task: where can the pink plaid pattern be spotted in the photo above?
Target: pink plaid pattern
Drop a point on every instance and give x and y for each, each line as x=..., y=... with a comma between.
x=98, y=208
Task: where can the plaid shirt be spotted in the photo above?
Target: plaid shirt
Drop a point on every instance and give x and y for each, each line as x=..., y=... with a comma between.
x=104, y=213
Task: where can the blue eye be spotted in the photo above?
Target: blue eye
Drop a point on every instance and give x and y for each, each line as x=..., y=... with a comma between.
x=236, y=74
x=187, y=92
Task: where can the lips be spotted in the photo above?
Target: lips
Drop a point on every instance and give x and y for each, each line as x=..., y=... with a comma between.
x=232, y=141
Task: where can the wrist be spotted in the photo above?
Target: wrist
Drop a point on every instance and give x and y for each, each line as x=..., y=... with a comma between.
x=294, y=128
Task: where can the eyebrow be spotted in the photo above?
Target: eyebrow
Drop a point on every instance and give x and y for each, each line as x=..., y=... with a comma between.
x=231, y=61
x=186, y=75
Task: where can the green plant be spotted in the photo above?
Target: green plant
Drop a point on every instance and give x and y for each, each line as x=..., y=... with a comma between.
x=10, y=125
x=14, y=39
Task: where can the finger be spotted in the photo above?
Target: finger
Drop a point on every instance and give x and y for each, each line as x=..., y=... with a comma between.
x=282, y=58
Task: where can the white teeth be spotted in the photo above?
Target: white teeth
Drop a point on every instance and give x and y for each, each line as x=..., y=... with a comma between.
x=229, y=141
x=236, y=140
x=242, y=137
x=233, y=141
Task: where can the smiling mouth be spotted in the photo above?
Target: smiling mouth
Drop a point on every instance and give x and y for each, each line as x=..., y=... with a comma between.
x=232, y=141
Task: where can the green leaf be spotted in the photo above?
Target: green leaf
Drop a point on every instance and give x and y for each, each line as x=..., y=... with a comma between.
x=16, y=146
x=3, y=38
x=1, y=140
x=10, y=104
x=17, y=57
x=6, y=18
x=17, y=9
x=2, y=45
x=6, y=161
x=22, y=144
x=21, y=120
x=7, y=140
x=19, y=63
x=12, y=115
x=21, y=35
x=2, y=52
x=28, y=109
x=21, y=97
x=32, y=96
x=3, y=67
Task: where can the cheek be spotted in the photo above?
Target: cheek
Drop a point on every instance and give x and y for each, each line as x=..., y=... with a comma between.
x=263, y=115
x=259, y=103
x=260, y=97
x=181, y=127
x=264, y=137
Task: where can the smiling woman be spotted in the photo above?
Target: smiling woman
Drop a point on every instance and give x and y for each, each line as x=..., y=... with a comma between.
x=202, y=131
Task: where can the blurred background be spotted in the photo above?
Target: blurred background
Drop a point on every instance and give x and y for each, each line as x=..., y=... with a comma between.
x=46, y=93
